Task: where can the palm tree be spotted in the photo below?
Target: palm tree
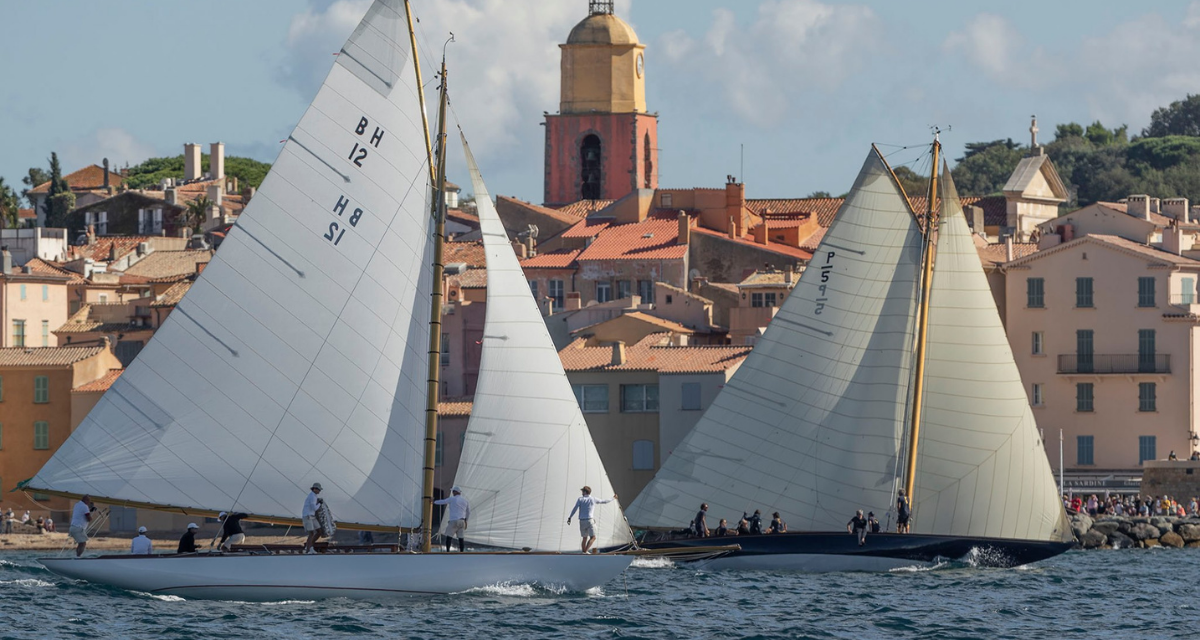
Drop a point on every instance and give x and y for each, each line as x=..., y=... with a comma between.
x=197, y=211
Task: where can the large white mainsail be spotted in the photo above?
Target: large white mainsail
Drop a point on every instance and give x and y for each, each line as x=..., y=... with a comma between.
x=811, y=423
x=299, y=354
x=527, y=449
x=981, y=466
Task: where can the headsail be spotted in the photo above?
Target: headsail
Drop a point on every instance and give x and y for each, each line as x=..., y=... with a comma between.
x=810, y=424
x=527, y=450
x=981, y=466
x=298, y=355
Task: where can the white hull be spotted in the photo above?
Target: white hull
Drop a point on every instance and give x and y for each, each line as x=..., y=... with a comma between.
x=365, y=576
x=809, y=563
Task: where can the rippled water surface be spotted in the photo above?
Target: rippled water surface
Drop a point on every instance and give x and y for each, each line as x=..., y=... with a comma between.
x=1097, y=594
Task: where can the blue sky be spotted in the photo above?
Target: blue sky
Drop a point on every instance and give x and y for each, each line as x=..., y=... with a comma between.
x=805, y=85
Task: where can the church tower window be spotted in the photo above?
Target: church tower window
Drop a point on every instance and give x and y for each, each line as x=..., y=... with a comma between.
x=647, y=165
x=590, y=165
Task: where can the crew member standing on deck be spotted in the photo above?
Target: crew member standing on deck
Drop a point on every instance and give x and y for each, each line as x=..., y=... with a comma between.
x=81, y=517
x=309, y=515
x=903, y=512
x=584, y=505
x=700, y=524
x=457, y=514
x=231, y=530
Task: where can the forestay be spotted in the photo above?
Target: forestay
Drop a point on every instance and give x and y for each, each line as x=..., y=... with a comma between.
x=810, y=424
x=527, y=449
x=981, y=466
x=299, y=353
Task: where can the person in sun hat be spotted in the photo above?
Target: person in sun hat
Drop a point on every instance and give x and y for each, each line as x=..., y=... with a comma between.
x=141, y=545
x=187, y=544
x=584, y=505
x=309, y=515
x=457, y=513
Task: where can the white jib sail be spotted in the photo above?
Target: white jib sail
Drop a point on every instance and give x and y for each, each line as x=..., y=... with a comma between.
x=810, y=424
x=299, y=355
x=527, y=450
x=981, y=467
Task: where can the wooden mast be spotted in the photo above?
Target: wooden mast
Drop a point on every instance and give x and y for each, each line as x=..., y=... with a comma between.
x=922, y=326
x=435, y=322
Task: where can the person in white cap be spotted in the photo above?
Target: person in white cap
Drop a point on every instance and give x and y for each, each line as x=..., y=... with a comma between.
x=231, y=530
x=309, y=516
x=584, y=505
x=457, y=514
x=187, y=544
x=141, y=545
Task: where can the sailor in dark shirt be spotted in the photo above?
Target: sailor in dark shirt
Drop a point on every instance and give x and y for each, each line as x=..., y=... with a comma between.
x=858, y=526
x=777, y=524
x=231, y=531
x=187, y=544
x=755, y=522
x=700, y=525
x=903, y=512
x=722, y=529
x=743, y=526
x=873, y=522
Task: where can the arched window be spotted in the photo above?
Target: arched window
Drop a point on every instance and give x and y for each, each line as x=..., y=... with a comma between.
x=590, y=167
x=648, y=164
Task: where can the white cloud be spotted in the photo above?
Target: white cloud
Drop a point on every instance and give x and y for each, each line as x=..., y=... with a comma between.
x=793, y=52
x=994, y=45
x=118, y=145
x=1192, y=19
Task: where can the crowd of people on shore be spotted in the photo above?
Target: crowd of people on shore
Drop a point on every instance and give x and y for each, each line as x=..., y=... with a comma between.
x=1131, y=505
x=26, y=524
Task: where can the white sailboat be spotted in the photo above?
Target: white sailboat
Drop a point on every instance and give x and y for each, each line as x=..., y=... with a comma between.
x=827, y=415
x=299, y=356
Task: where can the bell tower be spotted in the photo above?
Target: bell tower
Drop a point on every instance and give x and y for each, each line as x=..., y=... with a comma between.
x=601, y=145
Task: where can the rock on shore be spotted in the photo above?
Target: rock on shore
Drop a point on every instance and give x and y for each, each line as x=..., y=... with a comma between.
x=1125, y=532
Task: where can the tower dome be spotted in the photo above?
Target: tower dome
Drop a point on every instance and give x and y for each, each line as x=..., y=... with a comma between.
x=602, y=28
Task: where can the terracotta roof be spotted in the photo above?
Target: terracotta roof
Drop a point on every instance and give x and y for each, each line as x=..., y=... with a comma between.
x=587, y=228
x=173, y=295
x=560, y=259
x=645, y=356
x=502, y=202
x=81, y=322
x=45, y=356
x=582, y=208
x=455, y=407
x=1116, y=242
x=786, y=222
x=45, y=267
x=102, y=248
x=776, y=247
x=662, y=323
x=450, y=186
x=683, y=292
x=471, y=253
x=996, y=254
x=168, y=266
x=651, y=239
x=995, y=212
x=459, y=215
x=102, y=384
x=470, y=279
x=774, y=277
x=89, y=178
x=26, y=214
x=810, y=245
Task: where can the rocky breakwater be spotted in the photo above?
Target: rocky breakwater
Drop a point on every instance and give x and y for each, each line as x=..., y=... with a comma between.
x=1127, y=532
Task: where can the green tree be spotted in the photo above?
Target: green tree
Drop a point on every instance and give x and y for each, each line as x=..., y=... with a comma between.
x=9, y=206
x=37, y=176
x=197, y=211
x=986, y=166
x=60, y=200
x=250, y=173
x=819, y=194
x=915, y=185
x=1182, y=118
x=1069, y=130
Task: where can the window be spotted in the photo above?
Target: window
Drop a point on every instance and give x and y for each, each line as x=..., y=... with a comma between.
x=1035, y=395
x=1035, y=289
x=156, y=227
x=1147, y=396
x=18, y=333
x=624, y=289
x=143, y=221
x=445, y=350
x=438, y=452
x=45, y=333
x=103, y=298
x=691, y=396
x=756, y=300
x=41, y=389
x=639, y=398
x=102, y=223
x=667, y=199
x=1084, y=400
x=643, y=455
x=1084, y=449
x=533, y=288
x=592, y=398
x=1147, y=448
x=769, y=299
x=1145, y=292
x=45, y=293
x=591, y=177
x=646, y=290
x=41, y=435
x=22, y=292
x=1146, y=350
x=1084, y=355
x=1187, y=290
x=647, y=164
x=1039, y=343
x=603, y=291
x=556, y=293
x=1083, y=293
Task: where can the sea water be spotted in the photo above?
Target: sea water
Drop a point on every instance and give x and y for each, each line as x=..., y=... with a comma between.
x=1130, y=594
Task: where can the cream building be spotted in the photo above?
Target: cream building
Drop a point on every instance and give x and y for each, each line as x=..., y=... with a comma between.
x=32, y=305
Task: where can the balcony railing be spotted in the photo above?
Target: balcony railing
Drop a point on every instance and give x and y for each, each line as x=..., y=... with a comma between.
x=1118, y=363
x=1184, y=299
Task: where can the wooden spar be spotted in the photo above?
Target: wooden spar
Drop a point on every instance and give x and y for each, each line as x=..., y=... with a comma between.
x=412, y=37
x=910, y=477
x=435, y=323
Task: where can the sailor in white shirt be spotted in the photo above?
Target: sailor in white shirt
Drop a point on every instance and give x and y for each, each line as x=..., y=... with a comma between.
x=457, y=514
x=584, y=505
x=309, y=516
x=141, y=545
x=81, y=516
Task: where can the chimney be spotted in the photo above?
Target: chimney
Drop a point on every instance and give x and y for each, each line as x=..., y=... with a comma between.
x=547, y=305
x=574, y=301
x=1138, y=206
x=106, y=174
x=974, y=218
x=735, y=201
x=685, y=229
x=216, y=161
x=231, y=184
x=521, y=249
x=191, y=161
x=618, y=353
x=1155, y=206
x=760, y=233
x=6, y=259
x=1176, y=208
x=789, y=276
x=143, y=248
x=172, y=196
x=1008, y=249
x=91, y=234
x=732, y=230
x=216, y=194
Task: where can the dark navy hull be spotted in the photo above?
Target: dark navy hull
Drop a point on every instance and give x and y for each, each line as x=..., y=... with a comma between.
x=882, y=551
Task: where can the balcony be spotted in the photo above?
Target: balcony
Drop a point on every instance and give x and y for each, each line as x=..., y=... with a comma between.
x=1118, y=363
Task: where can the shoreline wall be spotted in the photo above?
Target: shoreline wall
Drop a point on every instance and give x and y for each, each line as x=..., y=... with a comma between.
x=1129, y=532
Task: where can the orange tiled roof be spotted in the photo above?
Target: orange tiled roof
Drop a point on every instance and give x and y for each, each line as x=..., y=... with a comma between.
x=651, y=239
x=995, y=211
x=776, y=247
x=470, y=279
x=459, y=215
x=45, y=356
x=1116, y=242
x=168, y=266
x=560, y=259
x=774, y=277
x=81, y=322
x=582, y=208
x=101, y=384
x=173, y=295
x=662, y=323
x=471, y=253
x=587, y=228
x=455, y=407
x=26, y=214
x=45, y=267
x=810, y=245
x=996, y=254
x=646, y=356
x=503, y=202
x=102, y=248
x=89, y=178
